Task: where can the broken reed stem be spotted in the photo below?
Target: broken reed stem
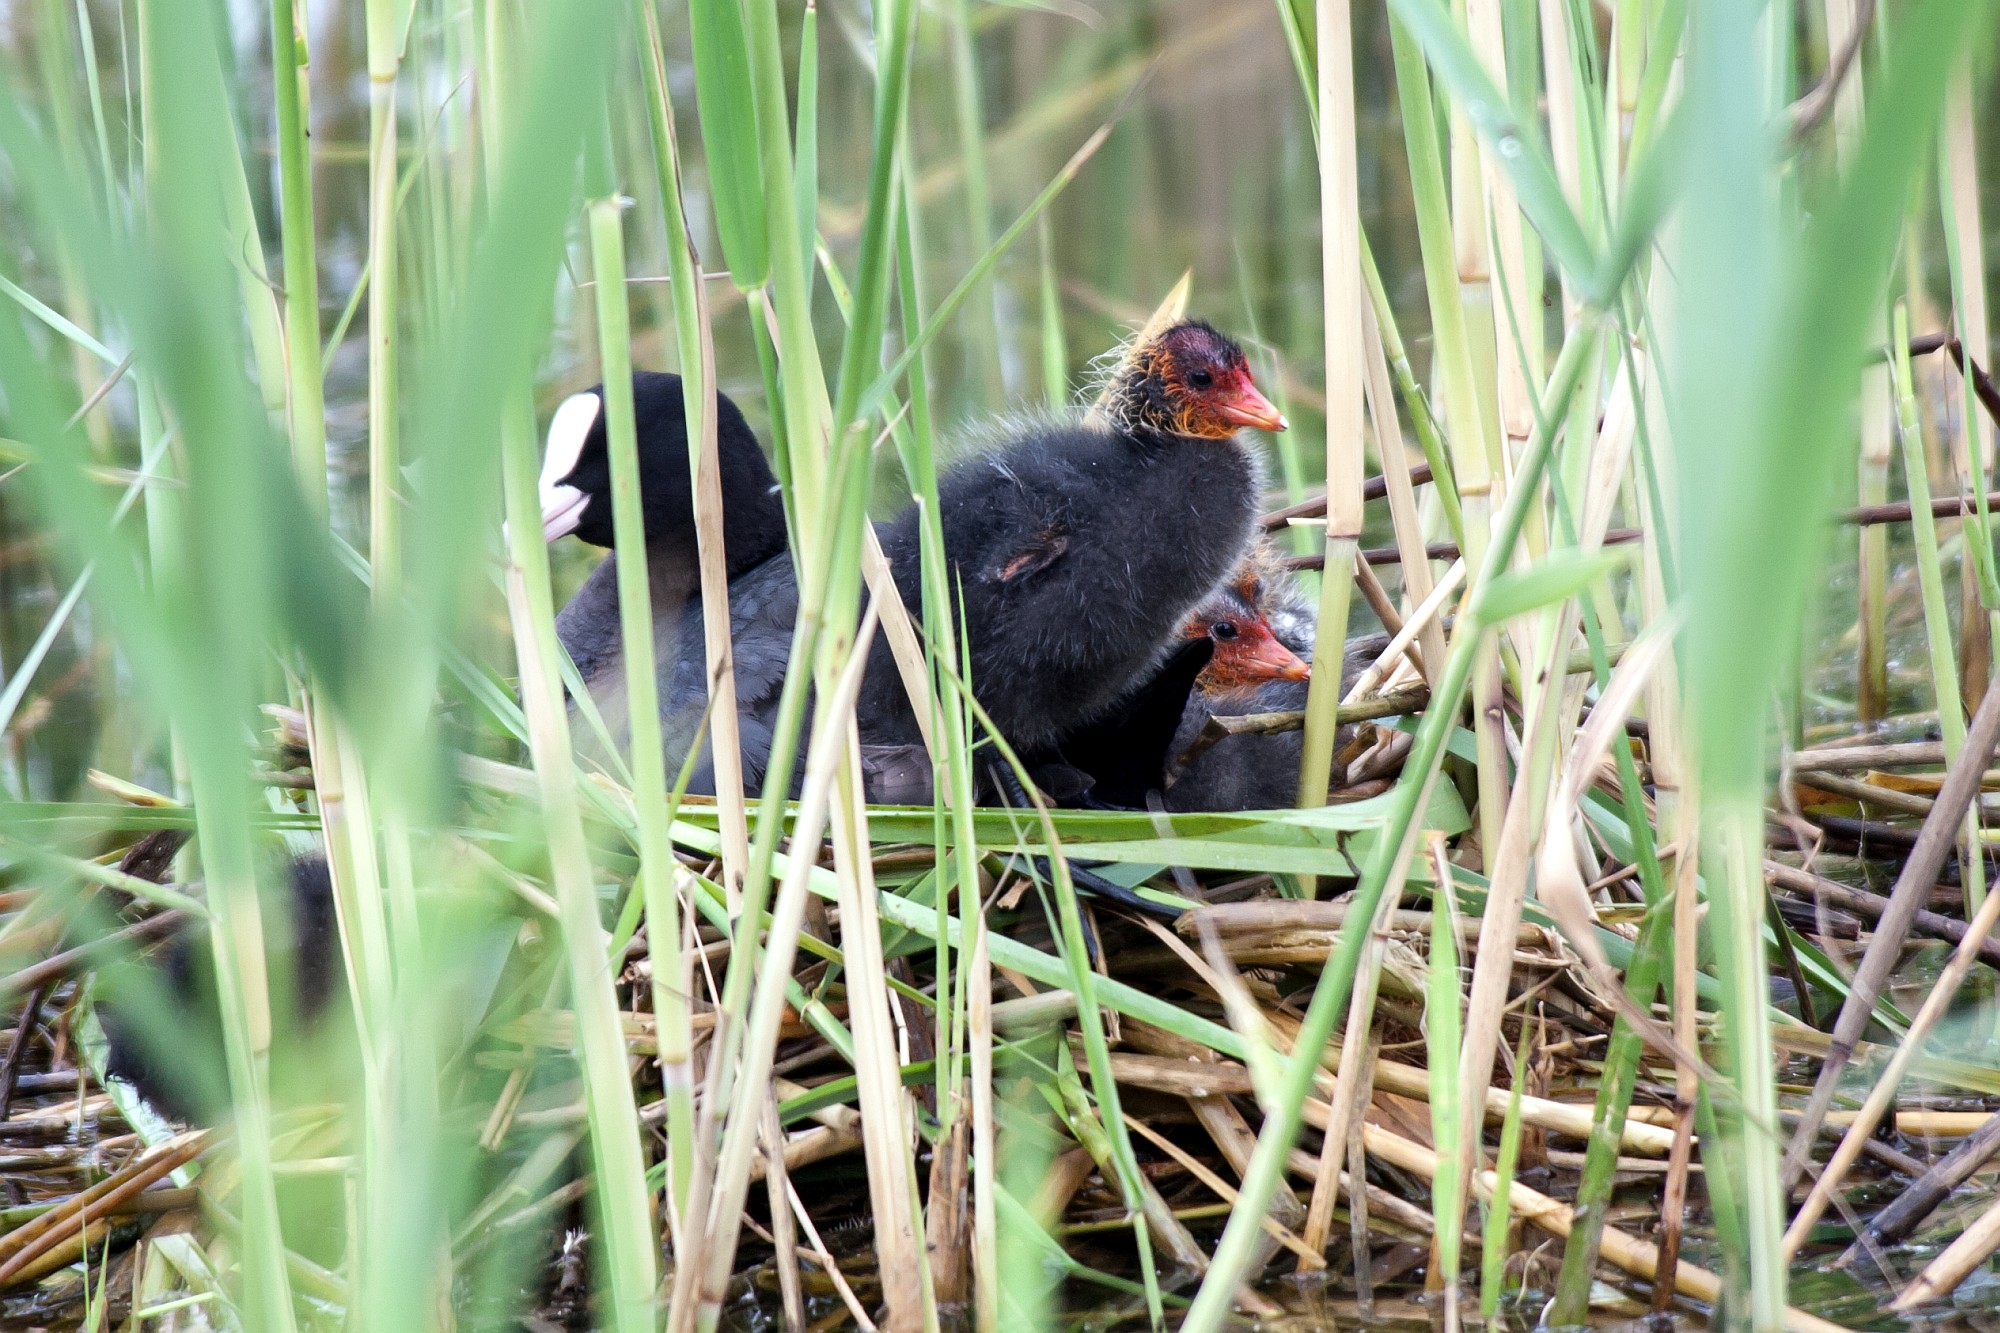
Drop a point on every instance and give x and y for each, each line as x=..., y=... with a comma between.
x=1934, y=844
x=1884, y=1092
x=1959, y=182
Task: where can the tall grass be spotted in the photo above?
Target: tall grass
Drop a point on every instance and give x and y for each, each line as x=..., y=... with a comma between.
x=237, y=487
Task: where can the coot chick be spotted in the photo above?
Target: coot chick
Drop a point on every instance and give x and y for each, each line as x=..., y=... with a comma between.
x=1262, y=627
x=1079, y=546
x=1227, y=644
x=181, y=1070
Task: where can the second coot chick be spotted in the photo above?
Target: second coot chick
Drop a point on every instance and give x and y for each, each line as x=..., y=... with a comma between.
x=1122, y=761
x=1262, y=627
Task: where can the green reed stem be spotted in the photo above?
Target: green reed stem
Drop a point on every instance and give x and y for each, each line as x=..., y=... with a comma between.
x=624, y=1218
x=671, y=974
x=1330, y=993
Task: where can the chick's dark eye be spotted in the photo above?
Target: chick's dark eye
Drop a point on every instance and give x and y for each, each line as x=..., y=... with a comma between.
x=1222, y=631
x=1201, y=379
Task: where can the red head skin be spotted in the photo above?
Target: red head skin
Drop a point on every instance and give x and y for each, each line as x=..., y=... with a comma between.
x=1197, y=383
x=1246, y=652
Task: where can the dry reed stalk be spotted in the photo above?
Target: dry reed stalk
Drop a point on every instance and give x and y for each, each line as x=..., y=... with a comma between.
x=1925, y=1124
x=1232, y=1135
x=1634, y=1256
x=1418, y=582
x=1934, y=844
x=906, y=646
x=73, y=1246
x=885, y=1126
x=1517, y=318
x=1415, y=624
x=1884, y=1092
x=976, y=964
x=1565, y=139
x=1224, y=1191
x=784, y=1234
x=820, y=1255
x=1877, y=442
x=1480, y=196
x=1835, y=758
x=1342, y=310
x=23, y=1245
x=947, y=1238
x=1508, y=883
x=1869, y=793
x=818, y=1144
x=725, y=731
x=702, y=1278
x=1353, y=1082
x=1266, y=916
x=1187, y=1074
x=1962, y=218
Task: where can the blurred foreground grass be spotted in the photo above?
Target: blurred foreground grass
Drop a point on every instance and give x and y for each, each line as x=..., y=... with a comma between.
x=285, y=291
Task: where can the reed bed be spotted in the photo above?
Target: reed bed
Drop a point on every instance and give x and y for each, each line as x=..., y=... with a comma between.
x=1632, y=951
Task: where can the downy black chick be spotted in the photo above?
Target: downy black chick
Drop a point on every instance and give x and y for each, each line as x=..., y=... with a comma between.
x=1262, y=627
x=1078, y=547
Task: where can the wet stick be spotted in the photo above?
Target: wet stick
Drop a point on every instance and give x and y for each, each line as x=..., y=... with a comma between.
x=1884, y=1092
x=1934, y=844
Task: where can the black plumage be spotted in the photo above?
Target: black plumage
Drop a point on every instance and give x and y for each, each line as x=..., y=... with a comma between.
x=1248, y=772
x=763, y=598
x=1076, y=550
x=1254, y=770
x=174, y=1058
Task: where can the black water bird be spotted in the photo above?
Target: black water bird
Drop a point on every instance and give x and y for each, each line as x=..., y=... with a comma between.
x=1262, y=626
x=1079, y=546
x=763, y=596
x=172, y=1053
